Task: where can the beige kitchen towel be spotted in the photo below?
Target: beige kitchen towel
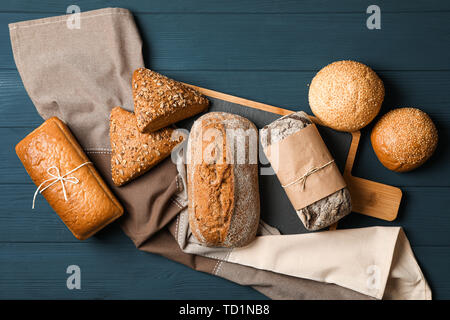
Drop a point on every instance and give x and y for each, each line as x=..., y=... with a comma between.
x=78, y=67
x=375, y=261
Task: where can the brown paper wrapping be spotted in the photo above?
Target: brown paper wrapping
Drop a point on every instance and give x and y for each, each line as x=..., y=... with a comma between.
x=294, y=156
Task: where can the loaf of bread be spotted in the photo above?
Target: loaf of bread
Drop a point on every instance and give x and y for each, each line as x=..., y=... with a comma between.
x=133, y=153
x=160, y=101
x=222, y=174
x=51, y=151
x=321, y=213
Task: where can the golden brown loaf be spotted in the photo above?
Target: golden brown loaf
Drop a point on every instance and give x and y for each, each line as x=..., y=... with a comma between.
x=90, y=205
x=134, y=153
x=160, y=101
x=223, y=185
x=403, y=139
x=346, y=95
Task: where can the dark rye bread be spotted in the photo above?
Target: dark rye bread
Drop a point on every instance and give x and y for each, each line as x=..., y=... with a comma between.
x=223, y=195
x=326, y=211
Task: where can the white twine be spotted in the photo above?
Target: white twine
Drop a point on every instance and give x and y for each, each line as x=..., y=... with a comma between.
x=306, y=175
x=58, y=178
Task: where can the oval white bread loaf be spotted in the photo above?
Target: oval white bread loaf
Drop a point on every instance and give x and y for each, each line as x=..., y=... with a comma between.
x=222, y=175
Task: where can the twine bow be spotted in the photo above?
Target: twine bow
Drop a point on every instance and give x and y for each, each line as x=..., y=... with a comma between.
x=58, y=178
x=303, y=178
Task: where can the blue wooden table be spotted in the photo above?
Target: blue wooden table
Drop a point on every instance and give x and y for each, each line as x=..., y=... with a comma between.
x=263, y=50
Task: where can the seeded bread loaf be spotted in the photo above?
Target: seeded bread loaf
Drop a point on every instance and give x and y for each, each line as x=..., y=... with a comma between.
x=160, y=101
x=134, y=153
x=326, y=211
x=222, y=174
x=83, y=201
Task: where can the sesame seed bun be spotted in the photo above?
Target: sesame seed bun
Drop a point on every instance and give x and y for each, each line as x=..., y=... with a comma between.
x=346, y=95
x=403, y=139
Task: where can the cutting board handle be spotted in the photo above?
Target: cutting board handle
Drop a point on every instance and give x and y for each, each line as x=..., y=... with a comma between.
x=374, y=199
x=369, y=197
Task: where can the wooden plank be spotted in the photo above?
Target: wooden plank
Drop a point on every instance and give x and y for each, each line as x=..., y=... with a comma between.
x=423, y=213
x=284, y=89
x=19, y=223
x=276, y=43
x=38, y=271
x=434, y=262
x=16, y=107
x=374, y=199
x=229, y=6
x=282, y=41
x=11, y=170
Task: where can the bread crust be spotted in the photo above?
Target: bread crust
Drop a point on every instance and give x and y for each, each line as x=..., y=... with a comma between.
x=134, y=153
x=90, y=204
x=160, y=101
x=403, y=139
x=346, y=95
x=223, y=195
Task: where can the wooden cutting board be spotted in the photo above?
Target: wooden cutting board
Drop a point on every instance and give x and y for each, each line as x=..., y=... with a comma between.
x=368, y=197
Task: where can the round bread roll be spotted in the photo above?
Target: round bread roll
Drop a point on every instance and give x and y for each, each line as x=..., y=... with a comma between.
x=403, y=139
x=346, y=95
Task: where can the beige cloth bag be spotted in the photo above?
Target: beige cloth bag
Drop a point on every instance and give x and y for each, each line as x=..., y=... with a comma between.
x=80, y=74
